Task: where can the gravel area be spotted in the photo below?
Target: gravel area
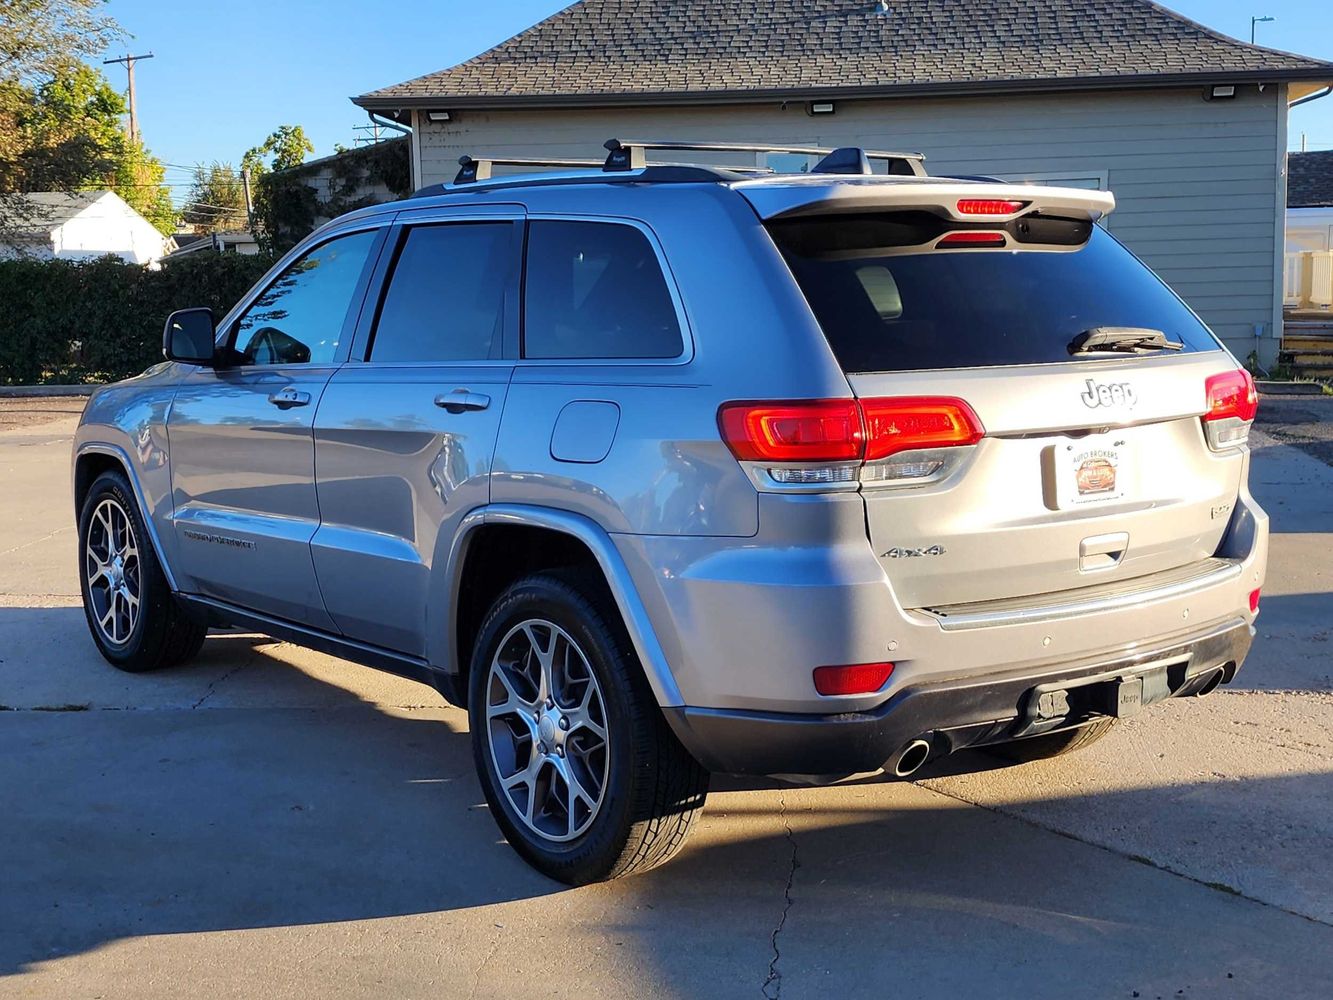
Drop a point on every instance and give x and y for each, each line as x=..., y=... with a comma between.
x=33, y=412
x=1303, y=421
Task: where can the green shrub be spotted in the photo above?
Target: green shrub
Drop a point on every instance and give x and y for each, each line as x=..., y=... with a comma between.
x=64, y=322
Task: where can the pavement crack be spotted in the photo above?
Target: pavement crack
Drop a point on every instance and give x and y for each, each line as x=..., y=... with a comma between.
x=37, y=541
x=213, y=685
x=481, y=966
x=772, y=986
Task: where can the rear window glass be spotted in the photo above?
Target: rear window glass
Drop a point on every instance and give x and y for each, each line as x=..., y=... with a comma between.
x=886, y=311
x=596, y=290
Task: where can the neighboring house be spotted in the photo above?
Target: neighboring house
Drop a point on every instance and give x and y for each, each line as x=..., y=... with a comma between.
x=80, y=226
x=1188, y=127
x=312, y=193
x=239, y=242
x=1310, y=201
x=1308, y=279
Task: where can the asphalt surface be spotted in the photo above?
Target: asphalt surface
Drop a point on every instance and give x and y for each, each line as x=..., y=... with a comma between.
x=271, y=822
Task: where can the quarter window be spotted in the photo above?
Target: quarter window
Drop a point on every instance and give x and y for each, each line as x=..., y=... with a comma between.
x=445, y=300
x=596, y=290
x=299, y=318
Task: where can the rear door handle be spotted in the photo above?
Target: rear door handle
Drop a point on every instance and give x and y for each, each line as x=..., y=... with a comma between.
x=462, y=400
x=285, y=399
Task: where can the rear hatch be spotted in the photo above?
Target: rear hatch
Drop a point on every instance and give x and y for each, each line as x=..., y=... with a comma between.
x=1096, y=422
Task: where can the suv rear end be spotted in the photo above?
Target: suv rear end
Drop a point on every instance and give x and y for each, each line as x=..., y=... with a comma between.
x=1027, y=516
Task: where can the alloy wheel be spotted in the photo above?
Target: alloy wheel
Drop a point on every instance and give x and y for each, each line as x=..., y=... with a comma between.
x=115, y=585
x=547, y=730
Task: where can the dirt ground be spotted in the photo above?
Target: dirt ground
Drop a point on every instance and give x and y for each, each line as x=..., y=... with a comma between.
x=32, y=412
x=1303, y=421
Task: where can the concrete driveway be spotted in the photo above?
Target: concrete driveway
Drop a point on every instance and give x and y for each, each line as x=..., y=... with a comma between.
x=271, y=822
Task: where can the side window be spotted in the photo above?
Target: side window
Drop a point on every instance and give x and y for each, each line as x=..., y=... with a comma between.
x=596, y=290
x=446, y=294
x=299, y=318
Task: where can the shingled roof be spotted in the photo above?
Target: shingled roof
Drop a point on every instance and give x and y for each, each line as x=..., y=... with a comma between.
x=631, y=51
x=1310, y=179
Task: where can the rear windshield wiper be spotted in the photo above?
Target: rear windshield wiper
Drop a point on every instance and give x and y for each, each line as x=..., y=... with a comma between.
x=1122, y=340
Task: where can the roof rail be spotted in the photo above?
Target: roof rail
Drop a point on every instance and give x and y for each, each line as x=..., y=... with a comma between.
x=630, y=154
x=471, y=170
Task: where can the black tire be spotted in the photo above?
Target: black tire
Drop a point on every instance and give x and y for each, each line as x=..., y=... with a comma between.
x=653, y=790
x=161, y=635
x=1052, y=744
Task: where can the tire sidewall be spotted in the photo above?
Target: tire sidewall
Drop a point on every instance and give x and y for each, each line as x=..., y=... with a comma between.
x=590, y=855
x=111, y=485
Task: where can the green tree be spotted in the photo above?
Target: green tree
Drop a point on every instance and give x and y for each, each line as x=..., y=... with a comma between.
x=287, y=145
x=217, y=200
x=65, y=134
x=40, y=38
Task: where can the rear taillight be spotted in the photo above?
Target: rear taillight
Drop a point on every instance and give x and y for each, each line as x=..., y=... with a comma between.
x=1232, y=402
x=858, y=678
x=1254, y=602
x=843, y=441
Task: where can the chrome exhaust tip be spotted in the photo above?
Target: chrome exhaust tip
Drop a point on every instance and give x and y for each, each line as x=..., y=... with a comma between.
x=910, y=758
x=1210, y=683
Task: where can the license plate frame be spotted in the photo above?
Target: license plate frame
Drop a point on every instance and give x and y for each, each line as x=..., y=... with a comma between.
x=1096, y=469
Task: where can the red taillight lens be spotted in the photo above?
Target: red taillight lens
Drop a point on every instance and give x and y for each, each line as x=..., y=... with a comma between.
x=817, y=430
x=1231, y=394
x=972, y=238
x=858, y=678
x=1254, y=602
x=845, y=430
x=906, y=423
x=988, y=206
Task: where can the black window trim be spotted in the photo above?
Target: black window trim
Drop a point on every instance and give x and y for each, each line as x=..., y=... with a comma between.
x=229, y=327
x=364, y=339
x=682, y=318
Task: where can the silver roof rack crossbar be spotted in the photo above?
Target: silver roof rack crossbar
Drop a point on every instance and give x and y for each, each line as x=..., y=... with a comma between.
x=471, y=170
x=631, y=154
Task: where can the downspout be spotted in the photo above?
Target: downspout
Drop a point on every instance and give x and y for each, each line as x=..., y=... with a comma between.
x=397, y=127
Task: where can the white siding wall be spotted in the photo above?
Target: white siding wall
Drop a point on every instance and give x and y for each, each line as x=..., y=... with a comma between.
x=1200, y=185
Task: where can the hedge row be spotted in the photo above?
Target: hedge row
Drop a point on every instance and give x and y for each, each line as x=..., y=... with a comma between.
x=64, y=322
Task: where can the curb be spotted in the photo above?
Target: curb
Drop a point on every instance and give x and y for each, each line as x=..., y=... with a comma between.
x=44, y=391
x=1289, y=388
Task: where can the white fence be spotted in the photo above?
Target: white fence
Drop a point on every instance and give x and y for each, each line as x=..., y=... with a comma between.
x=1307, y=280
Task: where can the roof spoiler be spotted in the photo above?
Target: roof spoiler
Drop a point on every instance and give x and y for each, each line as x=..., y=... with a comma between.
x=808, y=195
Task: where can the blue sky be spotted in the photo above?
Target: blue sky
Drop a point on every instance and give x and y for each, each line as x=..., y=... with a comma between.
x=224, y=76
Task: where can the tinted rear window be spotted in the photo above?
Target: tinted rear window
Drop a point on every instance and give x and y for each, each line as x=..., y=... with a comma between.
x=962, y=309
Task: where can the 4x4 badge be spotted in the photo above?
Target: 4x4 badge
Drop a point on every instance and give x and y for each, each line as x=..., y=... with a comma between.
x=1114, y=394
x=901, y=553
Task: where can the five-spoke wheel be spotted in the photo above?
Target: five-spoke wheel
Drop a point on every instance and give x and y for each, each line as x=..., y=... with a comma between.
x=111, y=557
x=546, y=723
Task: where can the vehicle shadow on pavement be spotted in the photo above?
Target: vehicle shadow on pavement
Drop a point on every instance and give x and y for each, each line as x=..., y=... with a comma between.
x=295, y=802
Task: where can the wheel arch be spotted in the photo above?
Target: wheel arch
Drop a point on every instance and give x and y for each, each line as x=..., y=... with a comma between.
x=531, y=539
x=91, y=461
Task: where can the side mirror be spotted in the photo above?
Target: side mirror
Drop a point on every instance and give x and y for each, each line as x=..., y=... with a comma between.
x=188, y=337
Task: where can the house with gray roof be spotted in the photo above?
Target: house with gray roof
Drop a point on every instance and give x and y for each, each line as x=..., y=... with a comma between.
x=1186, y=126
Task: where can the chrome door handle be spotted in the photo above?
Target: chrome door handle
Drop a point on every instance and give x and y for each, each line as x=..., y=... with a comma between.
x=461, y=400
x=285, y=399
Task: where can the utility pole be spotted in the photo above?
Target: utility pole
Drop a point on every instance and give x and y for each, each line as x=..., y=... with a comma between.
x=129, y=62
x=249, y=204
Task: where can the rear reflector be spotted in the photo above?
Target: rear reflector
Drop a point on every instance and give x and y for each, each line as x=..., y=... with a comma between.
x=989, y=206
x=1254, y=602
x=845, y=430
x=858, y=678
x=1232, y=403
x=972, y=238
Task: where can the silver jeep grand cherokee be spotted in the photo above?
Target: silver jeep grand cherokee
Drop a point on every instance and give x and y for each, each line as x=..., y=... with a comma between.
x=661, y=470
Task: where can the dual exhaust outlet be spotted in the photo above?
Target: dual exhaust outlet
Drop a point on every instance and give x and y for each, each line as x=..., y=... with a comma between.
x=914, y=755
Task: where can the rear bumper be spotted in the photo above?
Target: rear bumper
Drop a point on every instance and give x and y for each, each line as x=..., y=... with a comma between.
x=952, y=714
